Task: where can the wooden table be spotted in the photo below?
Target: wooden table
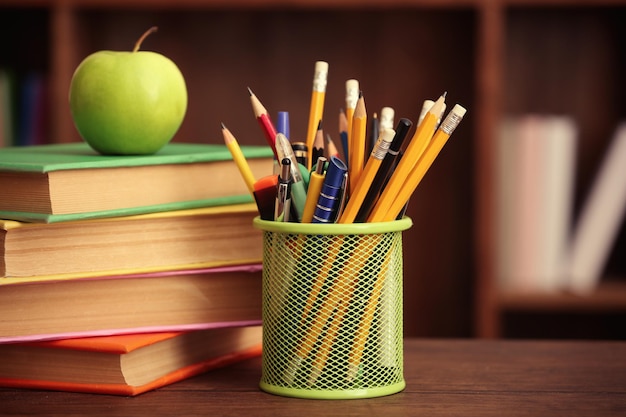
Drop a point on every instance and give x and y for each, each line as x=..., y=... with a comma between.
x=444, y=378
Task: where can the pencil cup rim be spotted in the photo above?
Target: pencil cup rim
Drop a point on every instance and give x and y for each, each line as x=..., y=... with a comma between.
x=333, y=228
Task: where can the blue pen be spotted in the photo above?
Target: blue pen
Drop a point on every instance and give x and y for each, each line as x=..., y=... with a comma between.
x=282, y=123
x=330, y=195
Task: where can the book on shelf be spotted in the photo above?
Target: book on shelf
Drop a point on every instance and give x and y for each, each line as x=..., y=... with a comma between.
x=600, y=218
x=535, y=189
x=61, y=182
x=171, y=240
x=125, y=364
x=32, y=121
x=7, y=124
x=137, y=303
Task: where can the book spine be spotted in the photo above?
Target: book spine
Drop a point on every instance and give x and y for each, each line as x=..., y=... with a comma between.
x=600, y=218
x=536, y=170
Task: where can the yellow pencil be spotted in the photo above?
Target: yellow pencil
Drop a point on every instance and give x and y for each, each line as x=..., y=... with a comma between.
x=356, y=150
x=417, y=173
x=333, y=297
x=329, y=338
x=308, y=342
x=315, y=186
x=337, y=300
x=422, y=135
x=365, y=180
x=362, y=332
x=316, y=109
x=428, y=104
x=386, y=118
x=320, y=278
x=426, y=160
x=240, y=160
x=352, y=96
x=331, y=149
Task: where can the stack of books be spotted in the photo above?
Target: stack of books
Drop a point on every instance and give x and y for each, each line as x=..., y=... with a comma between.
x=120, y=274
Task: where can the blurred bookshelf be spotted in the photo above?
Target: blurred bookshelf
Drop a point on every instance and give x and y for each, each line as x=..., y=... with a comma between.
x=423, y=47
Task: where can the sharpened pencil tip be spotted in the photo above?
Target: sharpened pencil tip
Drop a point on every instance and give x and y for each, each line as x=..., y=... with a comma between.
x=223, y=125
x=250, y=91
x=445, y=93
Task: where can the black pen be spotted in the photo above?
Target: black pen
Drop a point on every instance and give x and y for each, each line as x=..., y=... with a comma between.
x=283, y=192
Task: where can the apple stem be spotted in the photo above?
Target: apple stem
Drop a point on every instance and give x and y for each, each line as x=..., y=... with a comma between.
x=144, y=36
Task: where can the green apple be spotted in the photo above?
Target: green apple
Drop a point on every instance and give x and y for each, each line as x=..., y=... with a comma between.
x=128, y=103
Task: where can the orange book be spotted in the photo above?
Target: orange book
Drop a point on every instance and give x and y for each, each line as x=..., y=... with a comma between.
x=125, y=364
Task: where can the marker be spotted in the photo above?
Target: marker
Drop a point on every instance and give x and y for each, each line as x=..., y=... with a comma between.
x=265, y=196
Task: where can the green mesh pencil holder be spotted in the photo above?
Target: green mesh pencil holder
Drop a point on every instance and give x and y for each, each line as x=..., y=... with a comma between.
x=332, y=309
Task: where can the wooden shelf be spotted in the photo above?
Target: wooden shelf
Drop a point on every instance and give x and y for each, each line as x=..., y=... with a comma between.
x=246, y=4
x=609, y=297
x=548, y=77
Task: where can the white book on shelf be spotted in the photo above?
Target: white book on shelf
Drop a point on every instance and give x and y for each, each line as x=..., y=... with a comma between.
x=561, y=138
x=536, y=172
x=526, y=245
x=600, y=218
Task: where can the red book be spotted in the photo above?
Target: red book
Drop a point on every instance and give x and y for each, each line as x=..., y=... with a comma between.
x=124, y=364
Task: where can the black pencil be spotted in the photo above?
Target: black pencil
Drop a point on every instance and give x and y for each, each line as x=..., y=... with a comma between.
x=318, y=144
x=373, y=134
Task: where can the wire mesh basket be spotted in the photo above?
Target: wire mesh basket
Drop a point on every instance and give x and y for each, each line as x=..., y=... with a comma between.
x=332, y=309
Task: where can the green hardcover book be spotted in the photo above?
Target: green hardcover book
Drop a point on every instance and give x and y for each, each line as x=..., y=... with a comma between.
x=63, y=182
